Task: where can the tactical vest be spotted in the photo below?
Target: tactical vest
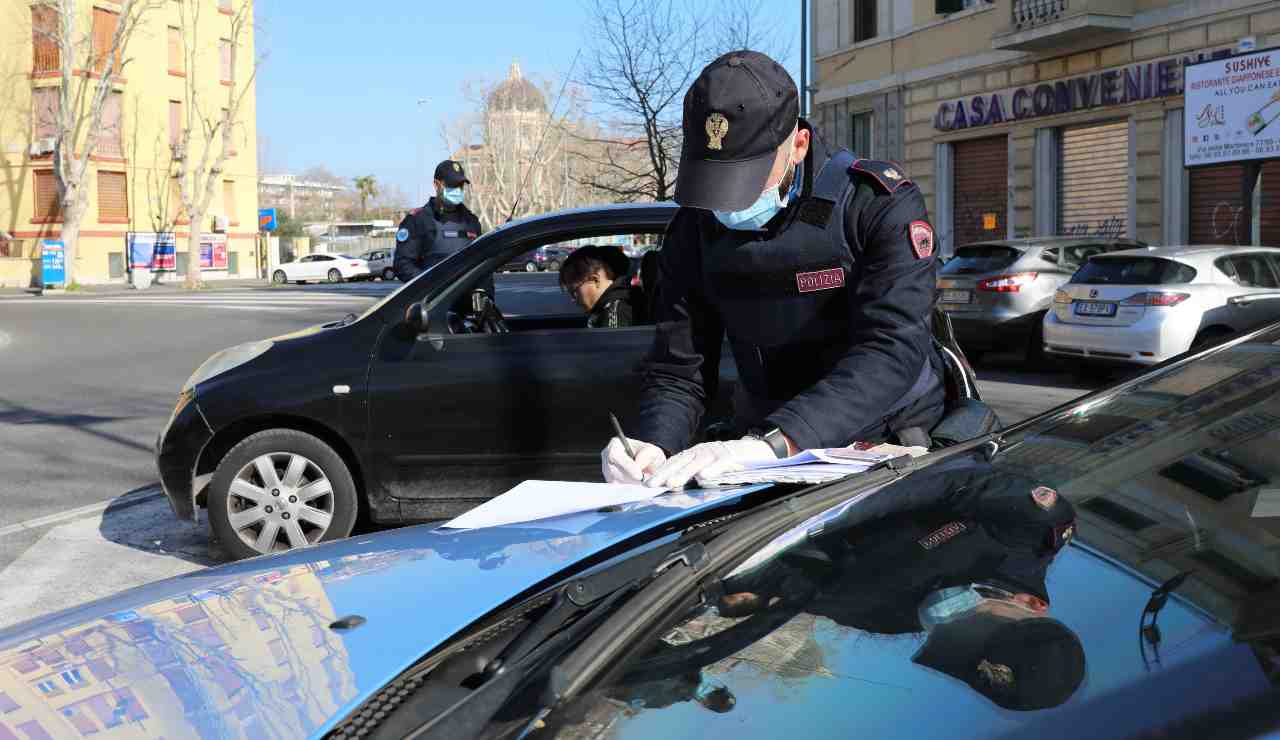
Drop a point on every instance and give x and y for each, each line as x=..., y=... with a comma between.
x=451, y=236
x=785, y=301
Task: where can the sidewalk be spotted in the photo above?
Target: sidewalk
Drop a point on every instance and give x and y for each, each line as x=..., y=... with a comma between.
x=168, y=288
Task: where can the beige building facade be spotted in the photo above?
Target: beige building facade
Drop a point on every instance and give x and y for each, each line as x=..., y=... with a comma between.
x=130, y=181
x=1042, y=117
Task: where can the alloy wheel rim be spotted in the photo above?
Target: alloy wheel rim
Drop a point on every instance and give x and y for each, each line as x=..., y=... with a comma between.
x=280, y=501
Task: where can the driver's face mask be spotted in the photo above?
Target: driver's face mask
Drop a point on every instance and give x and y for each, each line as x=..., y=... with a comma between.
x=453, y=196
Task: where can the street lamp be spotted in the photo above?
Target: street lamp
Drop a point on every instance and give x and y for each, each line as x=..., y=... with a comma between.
x=422, y=155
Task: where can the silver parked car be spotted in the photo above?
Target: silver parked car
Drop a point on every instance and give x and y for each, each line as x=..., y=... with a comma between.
x=997, y=292
x=380, y=263
x=1143, y=306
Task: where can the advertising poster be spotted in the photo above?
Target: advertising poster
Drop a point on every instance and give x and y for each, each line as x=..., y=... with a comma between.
x=213, y=252
x=53, y=264
x=150, y=251
x=1232, y=109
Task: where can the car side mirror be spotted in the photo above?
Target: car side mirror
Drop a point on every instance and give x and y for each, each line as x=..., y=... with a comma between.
x=416, y=317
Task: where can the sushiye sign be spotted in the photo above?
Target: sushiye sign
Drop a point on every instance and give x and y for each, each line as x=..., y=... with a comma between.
x=1232, y=107
x=1159, y=78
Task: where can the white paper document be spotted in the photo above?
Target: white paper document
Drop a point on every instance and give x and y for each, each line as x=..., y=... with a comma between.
x=541, y=499
x=813, y=466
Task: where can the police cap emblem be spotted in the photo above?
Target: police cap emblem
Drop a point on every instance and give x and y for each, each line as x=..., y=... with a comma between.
x=402, y=235
x=717, y=127
x=892, y=174
x=1044, y=497
x=457, y=167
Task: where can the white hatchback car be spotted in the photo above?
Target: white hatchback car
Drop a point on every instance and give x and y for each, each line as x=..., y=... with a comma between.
x=333, y=268
x=381, y=263
x=1143, y=306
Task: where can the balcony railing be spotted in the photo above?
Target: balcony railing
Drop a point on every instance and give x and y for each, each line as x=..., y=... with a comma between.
x=46, y=58
x=1032, y=13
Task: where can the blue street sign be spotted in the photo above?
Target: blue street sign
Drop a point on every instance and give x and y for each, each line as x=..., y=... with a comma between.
x=267, y=219
x=53, y=264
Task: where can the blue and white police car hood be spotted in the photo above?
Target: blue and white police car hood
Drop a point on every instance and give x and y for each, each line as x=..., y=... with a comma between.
x=252, y=649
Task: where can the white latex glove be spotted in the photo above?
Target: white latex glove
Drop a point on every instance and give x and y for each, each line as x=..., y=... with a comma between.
x=618, y=467
x=710, y=459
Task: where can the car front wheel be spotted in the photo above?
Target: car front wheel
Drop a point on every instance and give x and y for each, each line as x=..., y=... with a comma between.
x=279, y=278
x=553, y=266
x=278, y=490
x=530, y=267
x=388, y=274
x=335, y=276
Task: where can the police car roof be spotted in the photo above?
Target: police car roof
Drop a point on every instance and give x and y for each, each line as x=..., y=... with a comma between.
x=1053, y=241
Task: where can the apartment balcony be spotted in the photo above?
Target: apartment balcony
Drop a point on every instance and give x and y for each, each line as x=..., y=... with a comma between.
x=1038, y=25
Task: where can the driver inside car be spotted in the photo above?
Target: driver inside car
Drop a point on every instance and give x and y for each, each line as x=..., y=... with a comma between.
x=596, y=278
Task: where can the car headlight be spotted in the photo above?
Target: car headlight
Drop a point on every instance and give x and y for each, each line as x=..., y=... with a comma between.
x=225, y=360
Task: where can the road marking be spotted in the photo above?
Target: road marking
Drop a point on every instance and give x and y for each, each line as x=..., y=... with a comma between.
x=129, y=499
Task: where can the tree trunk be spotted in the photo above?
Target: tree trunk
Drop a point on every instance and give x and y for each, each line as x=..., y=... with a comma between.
x=70, y=244
x=195, y=233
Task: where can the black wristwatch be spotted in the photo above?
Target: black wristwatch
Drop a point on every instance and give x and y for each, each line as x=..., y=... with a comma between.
x=774, y=438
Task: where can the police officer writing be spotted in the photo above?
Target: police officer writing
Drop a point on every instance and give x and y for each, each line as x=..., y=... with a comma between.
x=819, y=269
x=441, y=227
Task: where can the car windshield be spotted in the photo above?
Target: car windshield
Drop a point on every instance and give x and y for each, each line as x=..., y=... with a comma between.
x=1133, y=271
x=1001, y=595
x=980, y=258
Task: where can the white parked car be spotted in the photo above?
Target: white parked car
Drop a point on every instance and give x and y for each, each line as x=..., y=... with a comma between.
x=333, y=268
x=1143, y=306
x=381, y=263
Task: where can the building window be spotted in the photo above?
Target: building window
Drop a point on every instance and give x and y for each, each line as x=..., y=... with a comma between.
x=231, y=148
x=113, y=198
x=225, y=6
x=224, y=53
x=48, y=207
x=861, y=130
x=34, y=731
x=175, y=122
x=177, y=65
x=7, y=704
x=111, y=138
x=49, y=688
x=229, y=202
x=44, y=37
x=73, y=678
x=862, y=14
x=46, y=104
x=104, y=31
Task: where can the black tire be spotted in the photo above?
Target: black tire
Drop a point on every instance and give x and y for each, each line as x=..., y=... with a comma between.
x=388, y=274
x=1035, y=344
x=299, y=282
x=1209, y=336
x=530, y=267
x=279, y=278
x=335, y=276
x=553, y=266
x=341, y=502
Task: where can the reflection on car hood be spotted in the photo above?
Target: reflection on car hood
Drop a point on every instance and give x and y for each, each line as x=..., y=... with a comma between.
x=248, y=649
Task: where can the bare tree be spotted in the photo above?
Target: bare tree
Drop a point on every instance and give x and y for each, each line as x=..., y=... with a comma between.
x=207, y=138
x=89, y=64
x=642, y=55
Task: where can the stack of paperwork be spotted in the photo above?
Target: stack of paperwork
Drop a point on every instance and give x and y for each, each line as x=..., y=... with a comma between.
x=814, y=466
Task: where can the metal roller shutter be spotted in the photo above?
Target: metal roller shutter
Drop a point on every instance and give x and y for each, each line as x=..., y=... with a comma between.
x=980, y=190
x=1270, y=203
x=1216, y=205
x=1093, y=180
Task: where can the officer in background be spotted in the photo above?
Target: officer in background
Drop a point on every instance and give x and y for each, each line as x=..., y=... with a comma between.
x=818, y=267
x=441, y=227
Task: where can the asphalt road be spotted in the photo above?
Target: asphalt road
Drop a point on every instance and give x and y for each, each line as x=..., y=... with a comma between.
x=87, y=381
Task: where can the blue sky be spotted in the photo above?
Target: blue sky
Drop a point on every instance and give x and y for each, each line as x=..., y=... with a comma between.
x=340, y=83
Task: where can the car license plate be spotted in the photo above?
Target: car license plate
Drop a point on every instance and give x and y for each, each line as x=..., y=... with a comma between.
x=955, y=296
x=1095, y=308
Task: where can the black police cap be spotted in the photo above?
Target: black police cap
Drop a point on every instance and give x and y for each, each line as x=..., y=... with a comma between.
x=1022, y=665
x=742, y=107
x=450, y=173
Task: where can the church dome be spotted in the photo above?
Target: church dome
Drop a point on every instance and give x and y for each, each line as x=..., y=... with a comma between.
x=517, y=93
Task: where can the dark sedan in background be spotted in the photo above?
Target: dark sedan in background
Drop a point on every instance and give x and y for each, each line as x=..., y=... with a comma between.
x=1158, y=613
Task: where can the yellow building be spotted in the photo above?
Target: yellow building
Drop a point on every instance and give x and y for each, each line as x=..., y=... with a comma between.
x=1042, y=117
x=130, y=181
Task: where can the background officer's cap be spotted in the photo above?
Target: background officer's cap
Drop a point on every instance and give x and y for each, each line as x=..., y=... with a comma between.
x=450, y=173
x=742, y=107
x=1028, y=664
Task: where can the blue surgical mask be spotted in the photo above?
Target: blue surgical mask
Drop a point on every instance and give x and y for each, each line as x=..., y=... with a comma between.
x=453, y=196
x=756, y=215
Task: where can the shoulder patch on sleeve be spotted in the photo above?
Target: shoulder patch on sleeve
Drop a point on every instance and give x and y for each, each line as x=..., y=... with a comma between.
x=402, y=235
x=922, y=243
x=887, y=175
